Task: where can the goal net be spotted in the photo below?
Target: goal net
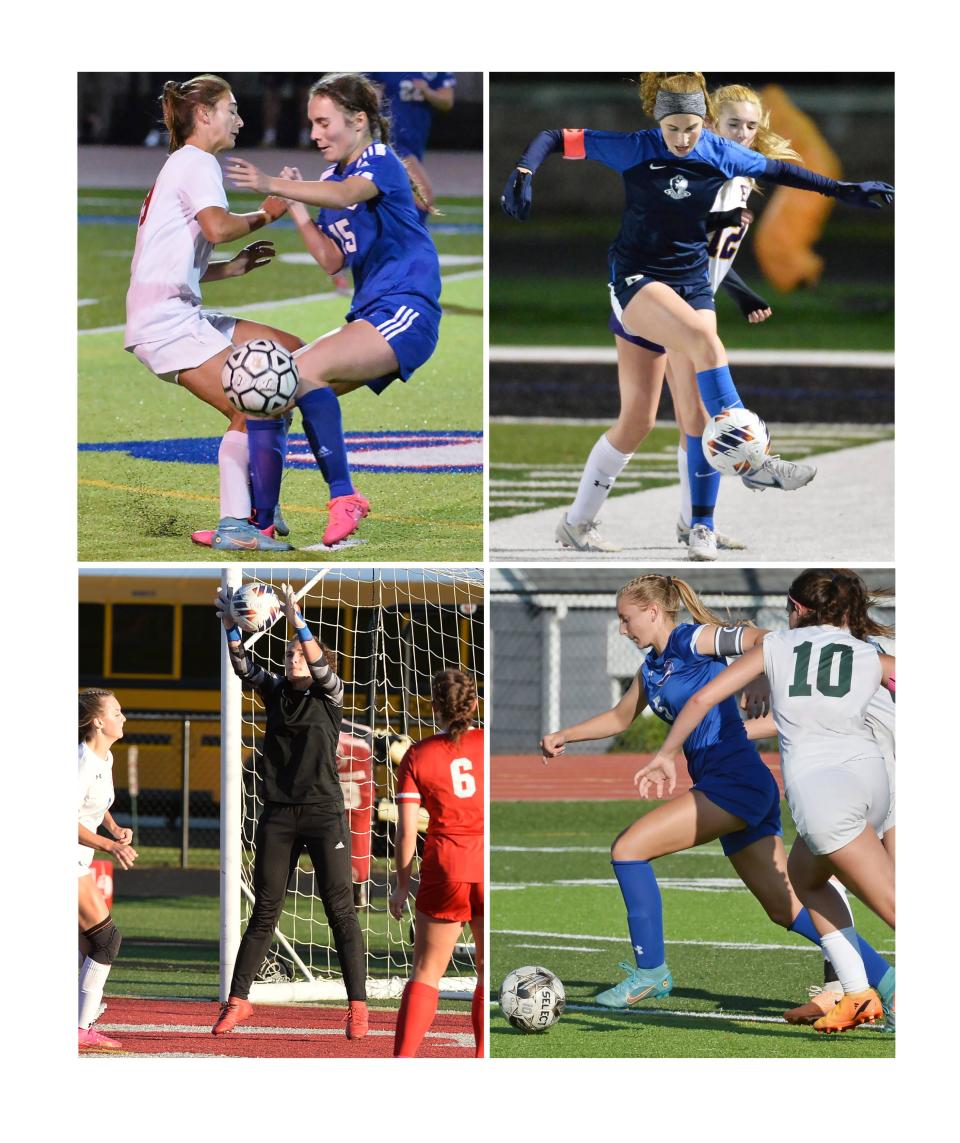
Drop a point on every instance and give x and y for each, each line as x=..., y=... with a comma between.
x=392, y=629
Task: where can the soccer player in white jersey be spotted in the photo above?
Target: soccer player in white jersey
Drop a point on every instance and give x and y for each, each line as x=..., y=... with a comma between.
x=740, y=116
x=823, y=676
x=101, y=724
x=183, y=217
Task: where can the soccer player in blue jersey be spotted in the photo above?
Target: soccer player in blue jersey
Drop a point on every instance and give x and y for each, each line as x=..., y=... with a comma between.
x=734, y=796
x=659, y=287
x=368, y=222
x=411, y=99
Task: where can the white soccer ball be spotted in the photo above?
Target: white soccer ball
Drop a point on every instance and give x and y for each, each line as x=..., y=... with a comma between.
x=260, y=378
x=736, y=442
x=255, y=606
x=532, y=998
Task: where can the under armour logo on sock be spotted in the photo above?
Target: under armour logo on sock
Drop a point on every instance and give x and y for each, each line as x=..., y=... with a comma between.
x=638, y=949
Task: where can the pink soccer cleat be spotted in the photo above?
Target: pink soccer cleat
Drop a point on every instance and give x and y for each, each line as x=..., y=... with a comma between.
x=346, y=512
x=91, y=1038
x=204, y=537
x=357, y=1020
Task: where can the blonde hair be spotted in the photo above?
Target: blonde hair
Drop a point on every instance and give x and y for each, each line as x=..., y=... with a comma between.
x=179, y=103
x=671, y=595
x=767, y=143
x=680, y=83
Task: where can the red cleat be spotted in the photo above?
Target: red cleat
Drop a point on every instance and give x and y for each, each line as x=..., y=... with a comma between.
x=346, y=512
x=91, y=1038
x=357, y=1020
x=232, y=1013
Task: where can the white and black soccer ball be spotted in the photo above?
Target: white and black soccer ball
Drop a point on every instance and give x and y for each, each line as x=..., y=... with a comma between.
x=255, y=606
x=260, y=378
x=736, y=442
x=532, y=998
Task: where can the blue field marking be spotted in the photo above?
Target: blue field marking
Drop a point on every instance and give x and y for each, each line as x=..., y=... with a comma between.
x=284, y=223
x=455, y=451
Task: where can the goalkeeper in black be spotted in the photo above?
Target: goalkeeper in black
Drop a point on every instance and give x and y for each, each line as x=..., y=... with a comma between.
x=303, y=808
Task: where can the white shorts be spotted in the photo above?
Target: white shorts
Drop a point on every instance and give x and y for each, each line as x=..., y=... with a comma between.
x=83, y=868
x=832, y=805
x=203, y=336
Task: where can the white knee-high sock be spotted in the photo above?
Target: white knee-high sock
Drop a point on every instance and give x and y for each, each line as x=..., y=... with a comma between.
x=843, y=951
x=686, y=505
x=604, y=465
x=233, y=459
x=93, y=977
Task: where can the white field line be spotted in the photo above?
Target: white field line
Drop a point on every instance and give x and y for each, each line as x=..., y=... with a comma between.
x=835, y=428
x=684, y=884
x=558, y=948
x=736, y=946
x=700, y=851
x=607, y=355
x=252, y=307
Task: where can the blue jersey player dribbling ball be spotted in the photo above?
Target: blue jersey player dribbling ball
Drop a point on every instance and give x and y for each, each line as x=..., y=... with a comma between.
x=659, y=287
x=734, y=796
x=368, y=220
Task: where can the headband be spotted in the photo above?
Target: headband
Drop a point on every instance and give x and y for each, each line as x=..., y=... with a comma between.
x=796, y=605
x=678, y=103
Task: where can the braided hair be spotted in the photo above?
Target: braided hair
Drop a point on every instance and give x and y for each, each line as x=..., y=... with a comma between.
x=455, y=697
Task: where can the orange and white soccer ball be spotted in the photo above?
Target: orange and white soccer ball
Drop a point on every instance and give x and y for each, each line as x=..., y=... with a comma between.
x=736, y=442
x=255, y=606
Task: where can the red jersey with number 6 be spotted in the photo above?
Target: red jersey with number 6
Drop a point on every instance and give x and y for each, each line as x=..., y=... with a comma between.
x=446, y=778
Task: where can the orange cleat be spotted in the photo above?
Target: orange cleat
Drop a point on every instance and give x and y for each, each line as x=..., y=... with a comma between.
x=851, y=1009
x=357, y=1020
x=232, y=1013
x=818, y=1005
x=91, y=1038
x=346, y=512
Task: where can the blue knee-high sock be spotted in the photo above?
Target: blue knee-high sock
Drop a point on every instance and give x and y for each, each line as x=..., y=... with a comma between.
x=704, y=484
x=717, y=389
x=323, y=425
x=873, y=962
x=641, y=895
x=268, y=448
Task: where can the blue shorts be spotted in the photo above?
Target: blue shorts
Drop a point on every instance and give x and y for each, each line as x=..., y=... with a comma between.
x=742, y=785
x=410, y=324
x=698, y=295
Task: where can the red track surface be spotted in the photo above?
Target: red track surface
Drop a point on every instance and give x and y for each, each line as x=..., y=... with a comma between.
x=182, y=1028
x=579, y=777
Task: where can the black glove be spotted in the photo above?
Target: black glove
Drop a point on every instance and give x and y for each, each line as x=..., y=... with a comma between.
x=721, y=219
x=517, y=197
x=862, y=194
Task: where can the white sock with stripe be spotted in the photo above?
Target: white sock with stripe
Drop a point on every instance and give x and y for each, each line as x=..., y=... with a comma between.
x=604, y=465
x=93, y=977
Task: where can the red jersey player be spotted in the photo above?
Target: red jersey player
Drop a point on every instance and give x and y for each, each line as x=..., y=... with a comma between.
x=443, y=773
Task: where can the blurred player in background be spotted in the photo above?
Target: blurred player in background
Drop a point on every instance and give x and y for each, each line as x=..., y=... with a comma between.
x=823, y=676
x=444, y=774
x=303, y=809
x=734, y=796
x=411, y=99
x=659, y=287
x=101, y=724
x=368, y=222
x=183, y=217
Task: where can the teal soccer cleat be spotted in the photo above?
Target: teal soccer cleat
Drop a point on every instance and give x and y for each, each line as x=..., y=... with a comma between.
x=241, y=536
x=640, y=984
x=887, y=991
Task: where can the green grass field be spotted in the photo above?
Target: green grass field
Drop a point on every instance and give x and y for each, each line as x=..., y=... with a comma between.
x=533, y=466
x=145, y=509
x=555, y=902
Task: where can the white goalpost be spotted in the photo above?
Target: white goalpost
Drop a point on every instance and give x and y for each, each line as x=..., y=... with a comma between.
x=391, y=629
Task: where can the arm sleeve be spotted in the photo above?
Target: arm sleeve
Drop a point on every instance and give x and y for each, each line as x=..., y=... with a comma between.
x=544, y=144
x=789, y=175
x=249, y=673
x=328, y=682
x=746, y=299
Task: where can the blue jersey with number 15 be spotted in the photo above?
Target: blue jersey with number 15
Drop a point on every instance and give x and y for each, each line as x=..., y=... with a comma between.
x=674, y=676
x=383, y=241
